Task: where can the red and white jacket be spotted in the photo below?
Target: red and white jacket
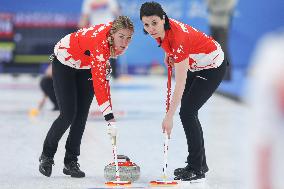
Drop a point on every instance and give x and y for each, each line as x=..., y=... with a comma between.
x=183, y=41
x=88, y=48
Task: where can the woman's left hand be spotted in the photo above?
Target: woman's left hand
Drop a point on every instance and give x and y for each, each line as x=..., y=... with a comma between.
x=167, y=124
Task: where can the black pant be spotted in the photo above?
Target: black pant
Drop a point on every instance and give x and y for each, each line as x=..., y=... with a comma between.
x=113, y=63
x=46, y=84
x=220, y=34
x=199, y=88
x=74, y=94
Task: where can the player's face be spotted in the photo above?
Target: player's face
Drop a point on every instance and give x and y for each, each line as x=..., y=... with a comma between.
x=121, y=40
x=154, y=25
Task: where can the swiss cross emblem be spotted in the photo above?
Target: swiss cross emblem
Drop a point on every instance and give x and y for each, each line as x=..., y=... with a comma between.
x=100, y=58
x=179, y=50
x=94, y=34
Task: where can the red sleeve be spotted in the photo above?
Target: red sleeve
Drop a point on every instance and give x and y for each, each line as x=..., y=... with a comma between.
x=101, y=84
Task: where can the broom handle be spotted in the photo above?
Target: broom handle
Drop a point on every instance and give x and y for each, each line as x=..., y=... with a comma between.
x=166, y=143
x=169, y=86
x=114, y=150
x=42, y=102
x=166, y=148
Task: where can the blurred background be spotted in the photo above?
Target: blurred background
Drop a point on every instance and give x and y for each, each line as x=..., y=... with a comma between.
x=252, y=93
x=29, y=29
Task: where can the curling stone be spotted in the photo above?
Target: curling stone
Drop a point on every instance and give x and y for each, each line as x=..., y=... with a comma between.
x=128, y=171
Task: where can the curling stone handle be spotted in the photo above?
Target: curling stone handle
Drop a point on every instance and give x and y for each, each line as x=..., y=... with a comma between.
x=123, y=157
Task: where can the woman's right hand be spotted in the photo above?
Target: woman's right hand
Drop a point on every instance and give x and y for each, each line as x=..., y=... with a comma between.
x=168, y=60
x=112, y=129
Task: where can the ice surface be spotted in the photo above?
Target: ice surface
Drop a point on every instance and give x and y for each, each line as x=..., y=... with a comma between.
x=139, y=103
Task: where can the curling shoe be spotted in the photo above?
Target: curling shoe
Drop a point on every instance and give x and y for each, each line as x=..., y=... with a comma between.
x=73, y=169
x=192, y=176
x=45, y=165
x=179, y=171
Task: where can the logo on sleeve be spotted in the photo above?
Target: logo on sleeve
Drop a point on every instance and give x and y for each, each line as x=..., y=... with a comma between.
x=182, y=25
x=100, y=58
x=180, y=49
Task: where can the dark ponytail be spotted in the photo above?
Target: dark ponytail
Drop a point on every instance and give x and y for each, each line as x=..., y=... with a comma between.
x=151, y=9
x=167, y=22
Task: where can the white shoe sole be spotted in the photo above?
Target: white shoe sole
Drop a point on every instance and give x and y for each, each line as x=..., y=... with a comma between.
x=198, y=181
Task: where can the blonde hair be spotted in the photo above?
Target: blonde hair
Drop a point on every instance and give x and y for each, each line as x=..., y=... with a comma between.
x=121, y=22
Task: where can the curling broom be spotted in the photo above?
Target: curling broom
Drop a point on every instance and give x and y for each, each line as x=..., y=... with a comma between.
x=116, y=182
x=164, y=181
